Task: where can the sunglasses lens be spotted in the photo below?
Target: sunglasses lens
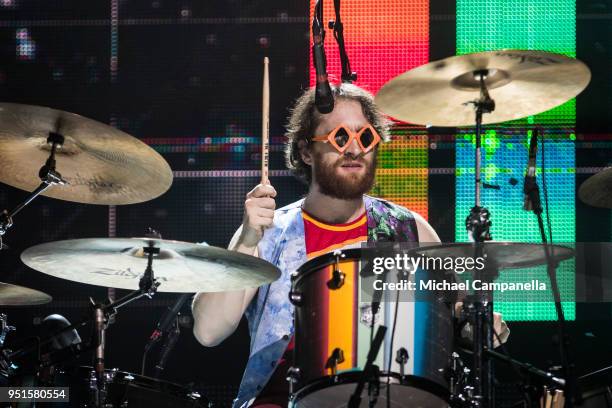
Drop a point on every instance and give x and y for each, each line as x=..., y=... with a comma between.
x=367, y=138
x=341, y=137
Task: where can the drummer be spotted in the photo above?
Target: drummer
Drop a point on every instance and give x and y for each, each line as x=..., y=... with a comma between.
x=335, y=155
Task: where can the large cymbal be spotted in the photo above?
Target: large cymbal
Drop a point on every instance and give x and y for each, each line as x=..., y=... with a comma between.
x=500, y=255
x=102, y=165
x=15, y=295
x=597, y=189
x=120, y=262
x=522, y=83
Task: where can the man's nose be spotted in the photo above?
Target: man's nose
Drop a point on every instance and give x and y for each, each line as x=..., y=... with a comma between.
x=353, y=149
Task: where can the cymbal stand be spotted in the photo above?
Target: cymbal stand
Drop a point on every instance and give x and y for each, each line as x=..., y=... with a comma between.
x=48, y=176
x=479, y=309
x=147, y=287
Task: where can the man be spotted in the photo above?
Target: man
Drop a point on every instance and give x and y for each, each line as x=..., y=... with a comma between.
x=335, y=154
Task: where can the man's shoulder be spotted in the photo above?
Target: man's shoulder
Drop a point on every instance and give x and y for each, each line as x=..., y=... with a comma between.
x=396, y=210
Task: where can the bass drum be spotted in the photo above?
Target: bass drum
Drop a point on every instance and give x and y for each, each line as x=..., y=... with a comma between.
x=127, y=390
x=332, y=338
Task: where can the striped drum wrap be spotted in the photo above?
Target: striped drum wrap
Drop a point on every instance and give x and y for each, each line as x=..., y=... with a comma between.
x=328, y=319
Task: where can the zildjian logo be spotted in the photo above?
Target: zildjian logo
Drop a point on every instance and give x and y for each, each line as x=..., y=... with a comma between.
x=529, y=58
x=125, y=273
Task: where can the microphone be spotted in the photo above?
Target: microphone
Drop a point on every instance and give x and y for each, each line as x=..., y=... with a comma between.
x=166, y=321
x=529, y=182
x=324, y=99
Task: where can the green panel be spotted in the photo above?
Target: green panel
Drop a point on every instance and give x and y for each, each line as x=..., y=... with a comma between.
x=484, y=25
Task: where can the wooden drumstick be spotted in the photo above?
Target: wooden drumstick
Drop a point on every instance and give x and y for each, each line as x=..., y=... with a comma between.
x=265, y=124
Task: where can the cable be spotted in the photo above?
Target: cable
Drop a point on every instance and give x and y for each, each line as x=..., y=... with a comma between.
x=391, y=349
x=548, y=222
x=347, y=75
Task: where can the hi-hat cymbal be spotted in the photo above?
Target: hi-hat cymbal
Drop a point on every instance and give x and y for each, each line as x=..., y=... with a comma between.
x=597, y=189
x=120, y=263
x=15, y=295
x=102, y=165
x=522, y=83
x=500, y=255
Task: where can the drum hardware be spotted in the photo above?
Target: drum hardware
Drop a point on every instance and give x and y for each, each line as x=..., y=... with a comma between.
x=293, y=377
x=337, y=279
x=48, y=175
x=295, y=298
x=458, y=376
x=402, y=358
x=478, y=226
x=533, y=201
x=489, y=74
x=336, y=357
x=167, y=347
x=148, y=285
x=596, y=388
x=169, y=323
x=127, y=390
x=4, y=329
x=370, y=374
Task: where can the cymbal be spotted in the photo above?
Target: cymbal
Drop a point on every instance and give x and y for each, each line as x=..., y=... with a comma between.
x=15, y=295
x=102, y=165
x=500, y=255
x=120, y=263
x=522, y=83
x=597, y=189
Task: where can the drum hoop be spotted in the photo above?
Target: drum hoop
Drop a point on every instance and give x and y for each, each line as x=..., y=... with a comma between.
x=141, y=381
x=321, y=261
x=353, y=376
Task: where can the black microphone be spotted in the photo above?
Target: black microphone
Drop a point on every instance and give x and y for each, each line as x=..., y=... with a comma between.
x=166, y=321
x=530, y=175
x=324, y=99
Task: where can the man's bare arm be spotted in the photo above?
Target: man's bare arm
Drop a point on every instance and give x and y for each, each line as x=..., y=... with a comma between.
x=216, y=315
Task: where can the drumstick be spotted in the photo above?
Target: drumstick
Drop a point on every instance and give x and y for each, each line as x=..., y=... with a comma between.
x=265, y=125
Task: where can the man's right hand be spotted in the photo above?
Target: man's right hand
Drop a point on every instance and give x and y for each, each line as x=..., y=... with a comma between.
x=258, y=214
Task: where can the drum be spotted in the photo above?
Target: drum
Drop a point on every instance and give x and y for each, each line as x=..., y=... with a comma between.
x=127, y=390
x=333, y=328
x=596, y=388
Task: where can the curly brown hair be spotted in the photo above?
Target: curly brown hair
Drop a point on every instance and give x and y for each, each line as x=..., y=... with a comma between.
x=304, y=119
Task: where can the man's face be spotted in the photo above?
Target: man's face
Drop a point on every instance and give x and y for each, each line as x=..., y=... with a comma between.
x=346, y=175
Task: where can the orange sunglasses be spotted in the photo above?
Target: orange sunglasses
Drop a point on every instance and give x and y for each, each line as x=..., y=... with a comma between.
x=342, y=137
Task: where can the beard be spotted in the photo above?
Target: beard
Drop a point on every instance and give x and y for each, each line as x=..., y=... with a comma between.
x=343, y=186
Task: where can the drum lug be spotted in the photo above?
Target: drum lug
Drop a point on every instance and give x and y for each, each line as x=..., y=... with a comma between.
x=336, y=357
x=337, y=280
x=402, y=358
x=295, y=298
x=293, y=376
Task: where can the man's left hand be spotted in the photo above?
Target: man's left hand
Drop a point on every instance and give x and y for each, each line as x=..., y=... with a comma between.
x=501, y=328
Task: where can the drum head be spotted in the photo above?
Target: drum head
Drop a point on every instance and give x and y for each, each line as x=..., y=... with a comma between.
x=335, y=392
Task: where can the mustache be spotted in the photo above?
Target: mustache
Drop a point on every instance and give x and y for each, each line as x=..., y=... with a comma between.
x=358, y=160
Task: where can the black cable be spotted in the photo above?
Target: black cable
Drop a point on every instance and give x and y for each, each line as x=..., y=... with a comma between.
x=548, y=222
x=391, y=350
x=347, y=74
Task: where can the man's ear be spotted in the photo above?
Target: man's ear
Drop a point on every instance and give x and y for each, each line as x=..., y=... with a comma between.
x=305, y=152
